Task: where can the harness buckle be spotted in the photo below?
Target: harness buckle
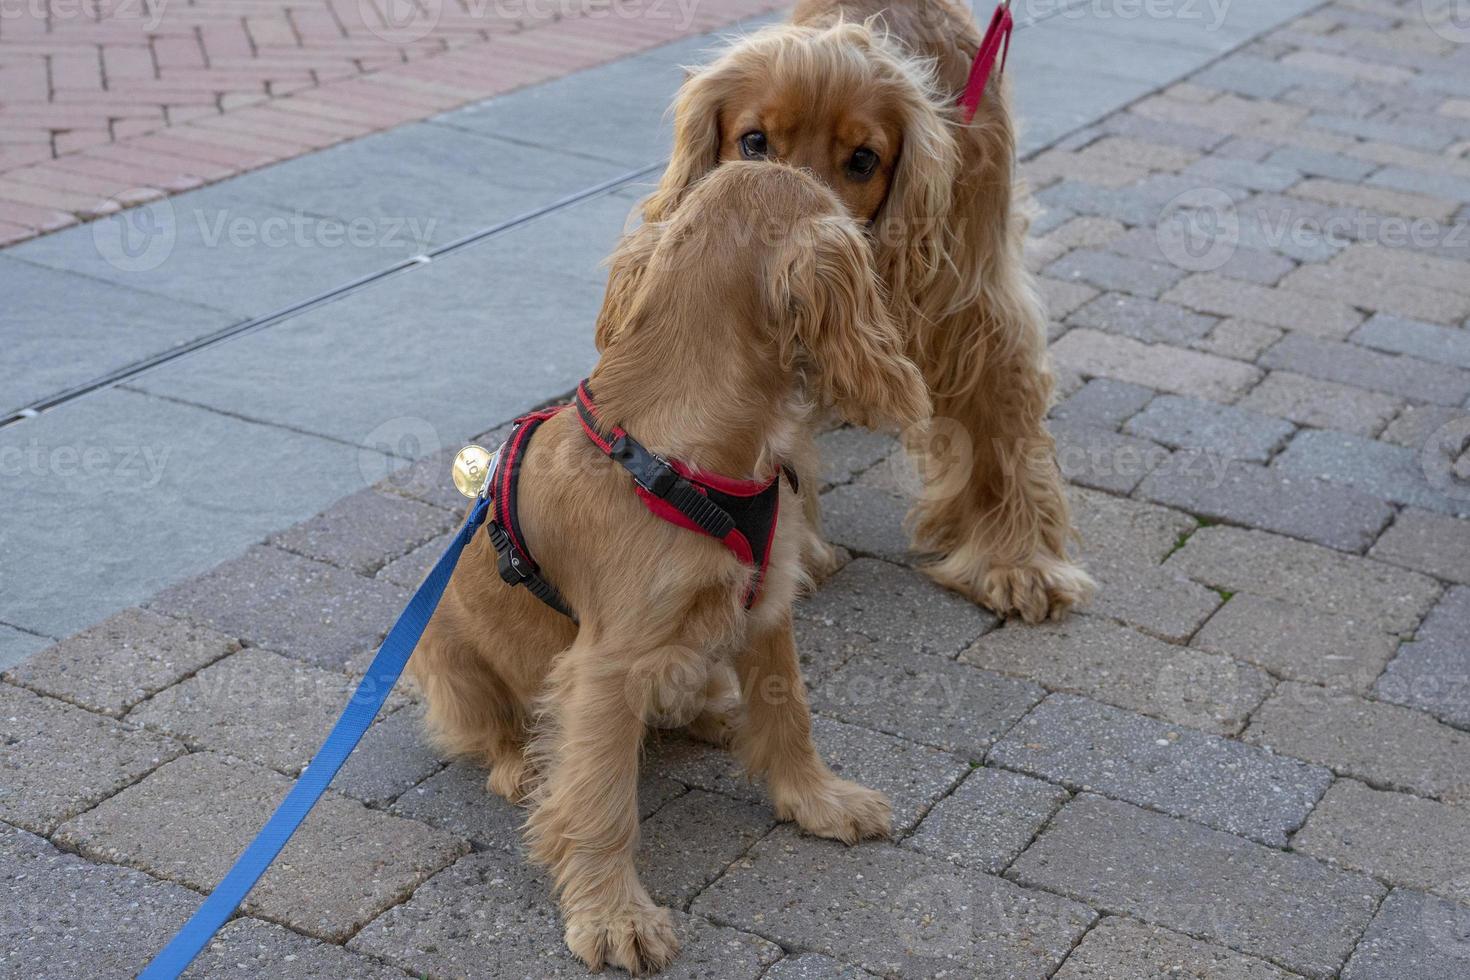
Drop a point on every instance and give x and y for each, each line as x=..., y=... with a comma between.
x=665, y=477
x=512, y=569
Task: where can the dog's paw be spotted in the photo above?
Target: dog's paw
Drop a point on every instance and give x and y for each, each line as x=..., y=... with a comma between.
x=1044, y=588
x=839, y=809
x=639, y=937
x=820, y=559
x=509, y=778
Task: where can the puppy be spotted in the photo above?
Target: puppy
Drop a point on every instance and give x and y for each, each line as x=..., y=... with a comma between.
x=864, y=93
x=749, y=307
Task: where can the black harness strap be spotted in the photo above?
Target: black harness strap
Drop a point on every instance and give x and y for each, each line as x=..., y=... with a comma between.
x=516, y=566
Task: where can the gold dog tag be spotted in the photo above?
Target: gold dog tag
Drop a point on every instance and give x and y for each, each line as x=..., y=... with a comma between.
x=472, y=468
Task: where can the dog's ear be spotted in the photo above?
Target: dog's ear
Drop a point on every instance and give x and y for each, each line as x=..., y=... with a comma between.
x=696, y=142
x=833, y=321
x=626, y=266
x=910, y=229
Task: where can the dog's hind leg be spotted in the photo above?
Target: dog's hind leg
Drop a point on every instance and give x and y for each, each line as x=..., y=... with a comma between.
x=775, y=741
x=584, y=818
x=472, y=712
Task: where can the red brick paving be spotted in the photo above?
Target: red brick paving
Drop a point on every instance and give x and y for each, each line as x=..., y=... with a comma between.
x=135, y=99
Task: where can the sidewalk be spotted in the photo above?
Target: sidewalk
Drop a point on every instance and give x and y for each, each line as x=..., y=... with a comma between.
x=1247, y=759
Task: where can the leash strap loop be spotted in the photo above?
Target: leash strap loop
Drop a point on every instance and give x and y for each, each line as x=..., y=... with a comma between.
x=366, y=701
x=997, y=41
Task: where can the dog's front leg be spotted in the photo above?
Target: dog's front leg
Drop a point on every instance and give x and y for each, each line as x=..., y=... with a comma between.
x=584, y=820
x=775, y=741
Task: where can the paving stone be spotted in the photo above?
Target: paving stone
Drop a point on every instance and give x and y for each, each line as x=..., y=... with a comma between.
x=1139, y=204
x=60, y=760
x=894, y=912
x=1380, y=743
x=988, y=820
x=1369, y=198
x=251, y=948
x=1416, y=423
x=1120, y=948
x=1275, y=499
x=1243, y=560
x=393, y=757
x=1414, y=936
x=1125, y=668
x=1436, y=185
x=1298, y=643
x=867, y=520
x=1157, y=601
x=690, y=842
x=822, y=648
x=255, y=705
x=1087, y=746
x=1259, y=78
x=926, y=699
x=1433, y=672
x=1320, y=163
x=1142, y=319
x=303, y=608
x=1060, y=298
x=1402, y=839
x=1392, y=473
x=1315, y=315
x=1086, y=232
x=1243, y=340
x=1386, y=132
x=1056, y=164
x=1322, y=404
x=1108, y=270
x=1350, y=364
x=187, y=821
x=897, y=608
x=457, y=800
x=1336, y=285
x=120, y=661
x=1188, y=423
x=1278, y=906
x=1243, y=173
x=492, y=911
x=847, y=451
x=1103, y=459
x=62, y=918
x=912, y=775
x=1129, y=151
x=409, y=570
x=1427, y=542
x=1157, y=366
x=1153, y=130
x=365, y=531
x=1249, y=260
x=1103, y=403
x=814, y=966
x=1447, y=345
x=1118, y=531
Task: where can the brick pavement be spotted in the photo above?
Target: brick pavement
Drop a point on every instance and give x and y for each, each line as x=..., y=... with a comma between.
x=108, y=104
x=1250, y=758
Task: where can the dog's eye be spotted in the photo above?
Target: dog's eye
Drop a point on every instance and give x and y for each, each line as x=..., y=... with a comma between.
x=753, y=145
x=863, y=162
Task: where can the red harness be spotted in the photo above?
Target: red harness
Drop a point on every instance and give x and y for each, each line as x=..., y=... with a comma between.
x=997, y=41
x=740, y=514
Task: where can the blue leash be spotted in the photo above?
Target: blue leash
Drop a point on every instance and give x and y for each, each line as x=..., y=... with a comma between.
x=382, y=674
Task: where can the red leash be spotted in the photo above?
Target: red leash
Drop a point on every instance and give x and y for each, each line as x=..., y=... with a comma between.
x=997, y=41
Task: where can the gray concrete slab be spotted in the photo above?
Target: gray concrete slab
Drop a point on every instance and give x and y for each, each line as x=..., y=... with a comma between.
x=218, y=247
x=16, y=645
x=451, y=181
x=113, y=497
x=445, y=349
x=59, y=329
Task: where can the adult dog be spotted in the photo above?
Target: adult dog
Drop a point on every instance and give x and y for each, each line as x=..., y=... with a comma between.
x=754, y=304
x=863, y=94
